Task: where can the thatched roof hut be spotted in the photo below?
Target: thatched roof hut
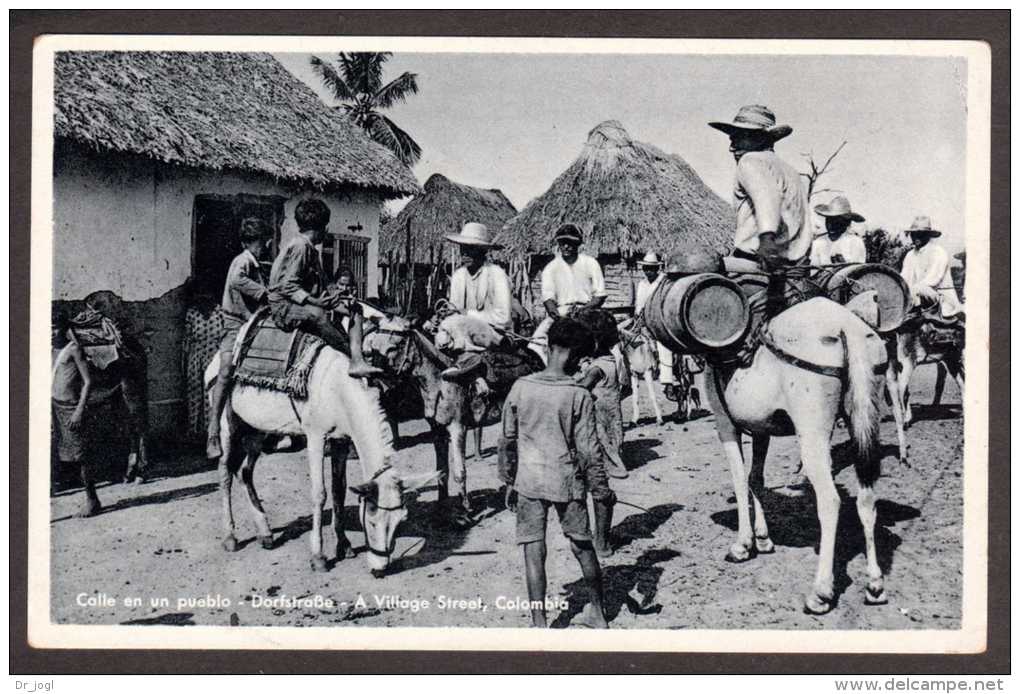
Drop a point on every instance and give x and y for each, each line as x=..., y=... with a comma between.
x=240, y=112
x=629, y=197
x=443, y=208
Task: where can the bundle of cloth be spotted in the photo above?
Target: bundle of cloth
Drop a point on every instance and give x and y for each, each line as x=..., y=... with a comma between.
x=460, y=333
x=97, y=336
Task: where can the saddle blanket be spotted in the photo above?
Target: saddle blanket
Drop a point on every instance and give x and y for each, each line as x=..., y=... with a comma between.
x=274, y=359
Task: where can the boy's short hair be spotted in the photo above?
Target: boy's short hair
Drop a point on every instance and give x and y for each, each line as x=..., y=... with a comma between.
x=344, y=272
x=253, y=229
x=573, y=335
x=311, y=214
x=603, y=328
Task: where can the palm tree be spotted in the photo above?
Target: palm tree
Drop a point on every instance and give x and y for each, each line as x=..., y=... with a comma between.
x=357, y=85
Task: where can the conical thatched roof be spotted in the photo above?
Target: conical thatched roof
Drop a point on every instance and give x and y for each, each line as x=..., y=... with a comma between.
x=443, y=208
x=217, y=111
x=628, y=197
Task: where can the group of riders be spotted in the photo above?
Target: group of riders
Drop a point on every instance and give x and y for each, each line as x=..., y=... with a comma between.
x=773, y=234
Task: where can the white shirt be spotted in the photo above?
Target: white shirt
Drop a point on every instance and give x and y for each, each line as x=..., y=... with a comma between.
x=848, y=245
x=644, y=291
x=484, y=295
x=769, y=196
x=570, y=284
x=928, y=267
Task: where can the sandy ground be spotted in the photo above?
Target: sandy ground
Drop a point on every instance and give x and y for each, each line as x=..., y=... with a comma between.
x=160, y=541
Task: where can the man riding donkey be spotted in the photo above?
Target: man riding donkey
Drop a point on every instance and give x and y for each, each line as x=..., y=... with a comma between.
x=298, y=296
x=926, y=272
x=837, y=245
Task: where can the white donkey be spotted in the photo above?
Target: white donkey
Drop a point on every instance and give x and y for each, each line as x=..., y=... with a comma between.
x=643, y=360
x=339, y=409
x=817, y=360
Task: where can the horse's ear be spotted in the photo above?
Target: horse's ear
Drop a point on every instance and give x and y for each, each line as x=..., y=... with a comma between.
x=413, y=483
x=368, y=490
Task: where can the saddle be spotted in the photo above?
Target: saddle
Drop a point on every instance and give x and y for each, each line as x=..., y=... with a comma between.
x=502, y=368
x=936, y=332
x=269, y=357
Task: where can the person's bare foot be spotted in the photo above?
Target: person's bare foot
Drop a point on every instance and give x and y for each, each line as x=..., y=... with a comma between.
x=212, y=447
x=359, y=369
x=90, y=507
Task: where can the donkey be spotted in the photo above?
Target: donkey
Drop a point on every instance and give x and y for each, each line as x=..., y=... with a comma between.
x=339, y=409
x=817, y=359
x=640, y=351
x=912, y=350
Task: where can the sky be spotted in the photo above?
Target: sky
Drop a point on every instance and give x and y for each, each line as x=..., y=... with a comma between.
x=516, y=121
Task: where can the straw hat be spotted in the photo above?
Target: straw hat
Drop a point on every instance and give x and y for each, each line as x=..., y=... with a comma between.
x=650, y=260
x=474, y=234
x=754, y=117
x=922, y=225
x=839, y=207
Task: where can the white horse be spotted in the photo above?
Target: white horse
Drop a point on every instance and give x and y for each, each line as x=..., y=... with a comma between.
x=339, y=409
x=818, y=360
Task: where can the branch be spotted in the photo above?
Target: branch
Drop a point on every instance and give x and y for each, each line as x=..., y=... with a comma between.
x=831, y=157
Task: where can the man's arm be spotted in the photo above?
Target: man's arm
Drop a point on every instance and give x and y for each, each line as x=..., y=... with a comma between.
x=766, y=199
x=590, y=456
x=598, y=285
x=507, y=447
x=248, y=281
x=458, y=284
x=549, y=299
x=292, y=264
x=858, y=252
x=86, y=385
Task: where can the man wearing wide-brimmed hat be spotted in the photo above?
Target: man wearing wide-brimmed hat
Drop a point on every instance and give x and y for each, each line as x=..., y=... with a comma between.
x=478, y=289
x=771, y=203
x=837, y=245
x=926, y=270
x=651, y=265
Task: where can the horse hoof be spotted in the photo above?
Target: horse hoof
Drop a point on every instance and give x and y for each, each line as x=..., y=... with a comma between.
x=230, y=544
x=267, y=542
x=346, y=552
x=874, y=594
x=738, y=554
x=318, y=563
x=378, y=573
x=816, y=604
x=764, y=545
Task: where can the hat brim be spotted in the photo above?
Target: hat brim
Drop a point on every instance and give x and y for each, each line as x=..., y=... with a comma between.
x=644, y=263
x=469, y=241
x=930, y=232
x=776, y=132
x=824, y=211
x=568, y=237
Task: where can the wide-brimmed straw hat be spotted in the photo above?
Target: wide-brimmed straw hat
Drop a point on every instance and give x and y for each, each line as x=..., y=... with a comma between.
x=839, y=207
x=754, y=118
x=474, y=234
x=650, y=260
x=569, y=232
x=922, y=225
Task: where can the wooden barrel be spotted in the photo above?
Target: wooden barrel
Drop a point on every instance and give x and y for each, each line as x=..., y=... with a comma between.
x=697, y=313
x=842, y=285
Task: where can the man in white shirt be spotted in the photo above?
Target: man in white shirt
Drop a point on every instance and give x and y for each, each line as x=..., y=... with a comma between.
x=838, y=245
x=650, y=265
x=571, y=281
x=926, y=270
x=478, y=289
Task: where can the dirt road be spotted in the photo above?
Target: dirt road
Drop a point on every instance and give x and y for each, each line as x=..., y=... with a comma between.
x=160, y=541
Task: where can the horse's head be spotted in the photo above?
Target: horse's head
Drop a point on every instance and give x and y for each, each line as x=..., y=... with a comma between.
x=382, y=506
x=391, y=345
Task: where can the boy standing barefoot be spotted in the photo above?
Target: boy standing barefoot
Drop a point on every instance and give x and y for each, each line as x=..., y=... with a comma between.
x=551, y=458
x=69, y=393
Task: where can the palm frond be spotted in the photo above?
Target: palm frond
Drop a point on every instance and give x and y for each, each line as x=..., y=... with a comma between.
x=332, y=79
x=385, y=132
x=396, y=91
x=363, y=71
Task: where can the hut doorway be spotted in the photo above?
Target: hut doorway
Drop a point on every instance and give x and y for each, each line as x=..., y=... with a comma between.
x=215, y=235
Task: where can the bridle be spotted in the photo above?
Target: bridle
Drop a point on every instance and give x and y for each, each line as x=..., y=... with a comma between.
x=364, y=515
x=406, y=355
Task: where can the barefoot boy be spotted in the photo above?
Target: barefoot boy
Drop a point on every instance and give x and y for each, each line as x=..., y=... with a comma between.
x=69, y=393
x=552, y=460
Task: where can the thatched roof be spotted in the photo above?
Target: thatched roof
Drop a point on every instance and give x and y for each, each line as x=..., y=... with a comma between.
x=443, y=208
x=218, y=111
x=628, y=197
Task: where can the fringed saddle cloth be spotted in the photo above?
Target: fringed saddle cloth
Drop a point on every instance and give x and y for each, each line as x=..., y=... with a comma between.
x=271, y=358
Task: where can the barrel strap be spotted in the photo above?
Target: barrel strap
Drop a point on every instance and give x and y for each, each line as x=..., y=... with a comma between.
x=769, y=342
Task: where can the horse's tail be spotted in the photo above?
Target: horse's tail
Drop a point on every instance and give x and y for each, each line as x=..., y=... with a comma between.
x=865, y=356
